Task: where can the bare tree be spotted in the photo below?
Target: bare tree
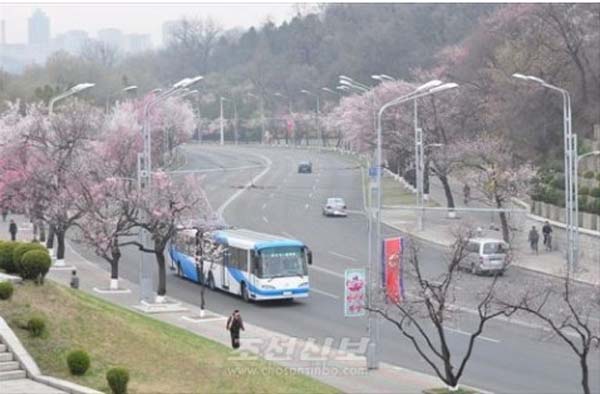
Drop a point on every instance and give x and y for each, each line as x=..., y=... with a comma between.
x=568, y=311
x=430, y=303
x=99, y=52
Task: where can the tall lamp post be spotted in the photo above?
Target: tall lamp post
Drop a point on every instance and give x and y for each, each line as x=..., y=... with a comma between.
x=422, y=91
x=316, y=95
x=74, y=90
x=262, y=115
x=289, y=100
x=570, y=158
x=144, y=186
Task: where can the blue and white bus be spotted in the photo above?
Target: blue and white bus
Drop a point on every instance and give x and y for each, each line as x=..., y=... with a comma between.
x=254, y=265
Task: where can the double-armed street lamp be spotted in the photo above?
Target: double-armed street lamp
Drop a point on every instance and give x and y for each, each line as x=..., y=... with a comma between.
x=570, y=168
x=74, y=90
x=144, y=183
x=427, y=89
x=316, y=95
x=130, y=88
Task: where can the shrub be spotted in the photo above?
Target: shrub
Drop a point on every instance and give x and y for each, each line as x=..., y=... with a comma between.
x=6, y=256
x=78, y=362
x=583, y=202
x=594, y=206
x=6, y=290
x=558, y=182
x=35, y=265
x=598, y=177
x=117, y=380
x=595, y=192
x=584, y=190
x=588, y=174
x=36, y=326
x=23, y=248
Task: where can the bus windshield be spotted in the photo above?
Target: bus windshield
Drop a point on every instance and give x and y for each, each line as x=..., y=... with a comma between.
x=281, y=262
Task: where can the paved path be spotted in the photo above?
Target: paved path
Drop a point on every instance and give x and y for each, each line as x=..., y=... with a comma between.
x=26, y=386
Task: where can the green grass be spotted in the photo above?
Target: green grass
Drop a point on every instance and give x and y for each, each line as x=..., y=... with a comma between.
x=444, y=390
x=161, y=358
x=394, y=193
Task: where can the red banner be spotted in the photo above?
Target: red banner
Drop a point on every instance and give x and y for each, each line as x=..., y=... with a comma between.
x=392, y=269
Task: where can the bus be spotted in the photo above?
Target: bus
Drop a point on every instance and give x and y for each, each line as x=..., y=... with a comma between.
x=253, y=265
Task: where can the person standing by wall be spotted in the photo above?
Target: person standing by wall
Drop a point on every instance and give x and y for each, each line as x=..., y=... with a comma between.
x=12, y=229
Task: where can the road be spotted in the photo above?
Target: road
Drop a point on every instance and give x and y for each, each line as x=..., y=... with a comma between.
x=508, y=358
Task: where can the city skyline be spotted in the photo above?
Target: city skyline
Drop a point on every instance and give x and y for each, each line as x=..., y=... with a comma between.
x=93, y=18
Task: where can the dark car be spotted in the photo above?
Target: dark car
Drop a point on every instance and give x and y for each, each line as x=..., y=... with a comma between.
x=305, y=167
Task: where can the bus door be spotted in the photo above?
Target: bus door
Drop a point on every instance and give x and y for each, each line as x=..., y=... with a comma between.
x=254, y=268
x=225, y=271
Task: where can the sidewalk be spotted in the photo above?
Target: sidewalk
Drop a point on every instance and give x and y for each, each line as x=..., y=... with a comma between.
x=440, y=229
x=340, y=368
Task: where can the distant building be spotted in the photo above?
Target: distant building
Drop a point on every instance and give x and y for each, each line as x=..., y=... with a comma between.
x=168, y=30
x=39, y=29
x=112, y=37
x=71, y=41
x=135, y=43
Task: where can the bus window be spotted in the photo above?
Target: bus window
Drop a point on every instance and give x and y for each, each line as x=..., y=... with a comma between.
x=255, y=264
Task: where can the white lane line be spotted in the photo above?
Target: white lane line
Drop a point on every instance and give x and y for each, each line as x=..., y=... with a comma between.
x=324, y=293
x=265, y=220
x=271, y=195
x=253, y=181
x=314, y=187
x=288, y=235
x=343, y=256
x=306, y=206
x=219, y=169
x=264, y=206
x=325, y=270
x=310, y=195
x=469, y=334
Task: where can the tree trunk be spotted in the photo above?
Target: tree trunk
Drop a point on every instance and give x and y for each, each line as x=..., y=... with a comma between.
x=42, y=231
x=50, y=240
x=503, y=222
x=60, y=239
x=447, y=190
x=162, y=274
x=116, y=256
x=584, y=374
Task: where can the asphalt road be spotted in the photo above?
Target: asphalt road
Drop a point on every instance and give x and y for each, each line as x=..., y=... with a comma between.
x=508, y=358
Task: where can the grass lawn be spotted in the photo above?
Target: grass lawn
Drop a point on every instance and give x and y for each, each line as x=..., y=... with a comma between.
x=394, y=193
x=161, y=358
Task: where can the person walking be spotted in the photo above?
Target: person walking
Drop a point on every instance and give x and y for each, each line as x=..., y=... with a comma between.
x=534, y=237
x=467, y=193
x=547, y=232
x=12, y=229
x=234, y=325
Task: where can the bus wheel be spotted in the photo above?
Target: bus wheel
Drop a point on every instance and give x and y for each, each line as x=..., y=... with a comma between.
x=211, y=282
x=245, y=295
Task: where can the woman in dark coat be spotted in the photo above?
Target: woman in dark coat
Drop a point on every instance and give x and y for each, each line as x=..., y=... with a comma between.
x=234, y=324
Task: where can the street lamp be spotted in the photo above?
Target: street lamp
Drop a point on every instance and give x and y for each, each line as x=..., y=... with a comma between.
x=330, y=91
x=234, y=118
x=570, y=153
x=316, y=95
x=74, y=90
x=130, y=88
x=422, y=91
x=144, y=184
x=290, y=110
x=262, y=114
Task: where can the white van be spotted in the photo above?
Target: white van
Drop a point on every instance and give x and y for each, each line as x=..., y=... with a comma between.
x=486, y=255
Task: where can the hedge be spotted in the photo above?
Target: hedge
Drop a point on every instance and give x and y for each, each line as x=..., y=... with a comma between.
x=20, y=251
x=6, y=256
x=35, y=265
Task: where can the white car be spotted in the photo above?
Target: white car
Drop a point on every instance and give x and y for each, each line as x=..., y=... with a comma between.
x=335, y=206
x=486, y=255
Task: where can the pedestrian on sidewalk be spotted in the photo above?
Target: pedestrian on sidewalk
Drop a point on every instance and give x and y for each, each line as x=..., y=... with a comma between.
x=74, y=280
x=534, y=237
x=12, y=229
x=234, y=324
x=547, y=232
x=467, y=193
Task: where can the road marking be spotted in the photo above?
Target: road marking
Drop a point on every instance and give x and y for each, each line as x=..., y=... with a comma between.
x=264, y=206
x=342, y=256
x=288, y=235
x=325, y=270
x=310, y=195
x=265, y=220
x=314, y=187
x=203, y=320
x=271, y=195
x=253, y=181
x=469, y=334
x=306, y=206
x=219, y=169
x=324, y=293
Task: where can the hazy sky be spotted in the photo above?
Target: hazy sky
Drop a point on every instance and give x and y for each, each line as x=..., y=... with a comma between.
x=136, y=18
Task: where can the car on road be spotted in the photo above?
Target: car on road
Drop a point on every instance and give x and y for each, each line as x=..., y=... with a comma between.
x=485, y=255
x=335, y=206
x=304, y=167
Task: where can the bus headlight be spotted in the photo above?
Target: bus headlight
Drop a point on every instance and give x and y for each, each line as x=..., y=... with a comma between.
x=303, y=284
x=268, y=287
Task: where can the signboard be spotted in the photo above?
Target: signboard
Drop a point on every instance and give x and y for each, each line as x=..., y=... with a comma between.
x=374, y=171
x=392, y=270
x=355, y=292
